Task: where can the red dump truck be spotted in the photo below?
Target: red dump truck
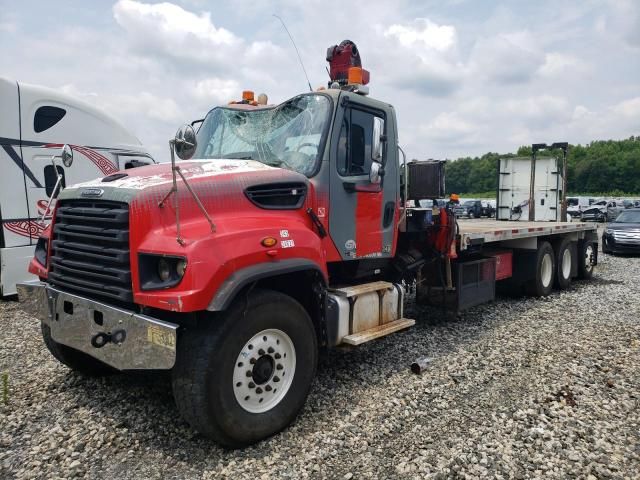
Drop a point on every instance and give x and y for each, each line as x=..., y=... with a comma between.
x=292, y=231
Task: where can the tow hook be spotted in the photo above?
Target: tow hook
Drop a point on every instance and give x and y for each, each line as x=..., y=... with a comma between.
x=99, y=340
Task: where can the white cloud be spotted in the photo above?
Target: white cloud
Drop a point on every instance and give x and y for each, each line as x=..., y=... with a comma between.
x=628, y=108
x=450, y=127
x=506, y=58
x=621, y=20
x=423, y=33
x=8, y=27
x=168, y=31
x=214, y=91
x=422, y=56
x=170, y=22
x=556, y=64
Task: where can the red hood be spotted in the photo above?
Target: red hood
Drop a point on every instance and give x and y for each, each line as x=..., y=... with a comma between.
x=143, y=178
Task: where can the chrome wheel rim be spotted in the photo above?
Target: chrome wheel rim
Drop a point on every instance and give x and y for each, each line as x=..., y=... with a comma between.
x=566, y=263
x=588, y=258
x=264, y=371
x=547, y=270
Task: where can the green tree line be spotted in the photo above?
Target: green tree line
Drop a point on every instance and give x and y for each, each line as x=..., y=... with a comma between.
x=600, y=167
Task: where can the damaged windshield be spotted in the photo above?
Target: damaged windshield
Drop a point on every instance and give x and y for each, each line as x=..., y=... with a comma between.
x=290, y=135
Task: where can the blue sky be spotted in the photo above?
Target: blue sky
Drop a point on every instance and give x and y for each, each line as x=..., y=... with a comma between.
x=465, y=76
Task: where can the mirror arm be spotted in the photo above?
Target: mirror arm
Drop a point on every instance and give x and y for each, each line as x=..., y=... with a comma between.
x=53, y=195
x=174, y=190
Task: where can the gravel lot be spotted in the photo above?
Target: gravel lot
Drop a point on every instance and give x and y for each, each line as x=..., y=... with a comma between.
x=516, y=389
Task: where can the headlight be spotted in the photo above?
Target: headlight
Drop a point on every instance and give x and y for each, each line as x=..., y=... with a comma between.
x=181, y=266
x=41, y=251
x=164, y=270
x=160, y=271
x=608, y=231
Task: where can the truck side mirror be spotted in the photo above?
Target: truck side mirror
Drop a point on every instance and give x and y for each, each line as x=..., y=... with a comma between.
x=185, y=142
x=66, y=155
x=377, y=145
x=376, y=173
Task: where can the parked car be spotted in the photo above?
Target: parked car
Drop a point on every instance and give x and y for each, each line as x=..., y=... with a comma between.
x=469, y=208
x=489, y=208
x=623, y=234
x=602, y=211
x=575, y=205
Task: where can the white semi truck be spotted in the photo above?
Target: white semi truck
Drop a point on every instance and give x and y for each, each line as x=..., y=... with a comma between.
x=34, y=123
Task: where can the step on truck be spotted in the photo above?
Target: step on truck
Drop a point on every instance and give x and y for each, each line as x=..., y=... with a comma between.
x=288, y=233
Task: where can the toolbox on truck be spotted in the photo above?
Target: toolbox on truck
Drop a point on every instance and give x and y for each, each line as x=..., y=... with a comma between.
x=473, y=283
x=476, y=282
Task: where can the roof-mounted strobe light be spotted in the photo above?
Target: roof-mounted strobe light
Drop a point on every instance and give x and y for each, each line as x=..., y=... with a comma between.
x=248, y=98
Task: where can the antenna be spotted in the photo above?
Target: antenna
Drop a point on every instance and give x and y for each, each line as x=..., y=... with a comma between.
x=297, y=52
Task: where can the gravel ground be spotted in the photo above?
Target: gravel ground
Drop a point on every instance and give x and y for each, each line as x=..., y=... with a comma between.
x=516, y=389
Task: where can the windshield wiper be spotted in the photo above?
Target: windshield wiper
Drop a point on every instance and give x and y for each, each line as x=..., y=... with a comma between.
x=232, y=156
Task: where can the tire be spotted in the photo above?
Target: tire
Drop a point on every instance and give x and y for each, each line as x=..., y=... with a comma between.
x=564, y=261
x=471, y=215
x=77, y=361
x=214, y=388
x=586, y=252
x=542, y=282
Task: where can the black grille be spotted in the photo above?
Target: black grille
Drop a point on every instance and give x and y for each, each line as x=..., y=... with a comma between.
x=90, y=249
x=278, y=196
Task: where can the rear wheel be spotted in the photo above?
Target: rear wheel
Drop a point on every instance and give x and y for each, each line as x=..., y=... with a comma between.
x=245, y=376
x=586, y=259
x=74, y=359
x=564, y=261
x=542, y=282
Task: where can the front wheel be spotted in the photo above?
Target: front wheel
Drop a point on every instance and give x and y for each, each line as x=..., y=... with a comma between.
x=245, y=376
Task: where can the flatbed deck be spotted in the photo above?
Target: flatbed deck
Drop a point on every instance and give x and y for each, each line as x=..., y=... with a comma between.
x=476, y=232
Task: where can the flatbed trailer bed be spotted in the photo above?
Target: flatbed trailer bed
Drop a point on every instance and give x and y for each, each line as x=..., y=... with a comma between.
x=478, y=232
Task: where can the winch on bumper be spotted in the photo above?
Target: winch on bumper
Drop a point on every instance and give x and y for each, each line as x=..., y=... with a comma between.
x=120, y=338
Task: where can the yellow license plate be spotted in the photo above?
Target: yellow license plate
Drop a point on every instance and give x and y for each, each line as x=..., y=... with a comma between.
x=159, y=336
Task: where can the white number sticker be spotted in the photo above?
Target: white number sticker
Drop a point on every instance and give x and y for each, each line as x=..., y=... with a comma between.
x=287, y=244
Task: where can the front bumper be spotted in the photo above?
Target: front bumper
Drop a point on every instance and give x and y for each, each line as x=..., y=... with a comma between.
x=610, y=244
x=120, y=338
x=597, y=217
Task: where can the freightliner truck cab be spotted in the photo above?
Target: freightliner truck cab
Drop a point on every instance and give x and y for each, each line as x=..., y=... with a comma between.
x=232, y=268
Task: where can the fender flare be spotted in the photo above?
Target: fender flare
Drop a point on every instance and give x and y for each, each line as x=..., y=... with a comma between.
x=239, y=279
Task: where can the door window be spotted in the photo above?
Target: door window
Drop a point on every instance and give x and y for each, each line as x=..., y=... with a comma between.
x=355, y=142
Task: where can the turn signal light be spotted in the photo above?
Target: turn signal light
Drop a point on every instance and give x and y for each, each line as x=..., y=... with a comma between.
x=269, y=242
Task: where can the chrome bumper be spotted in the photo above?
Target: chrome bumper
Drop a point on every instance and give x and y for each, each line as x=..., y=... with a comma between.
x=120, y=338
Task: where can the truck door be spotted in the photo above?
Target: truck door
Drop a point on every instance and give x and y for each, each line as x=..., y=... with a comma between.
x=40, y=122
x=361, y=214
x=14, y=213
